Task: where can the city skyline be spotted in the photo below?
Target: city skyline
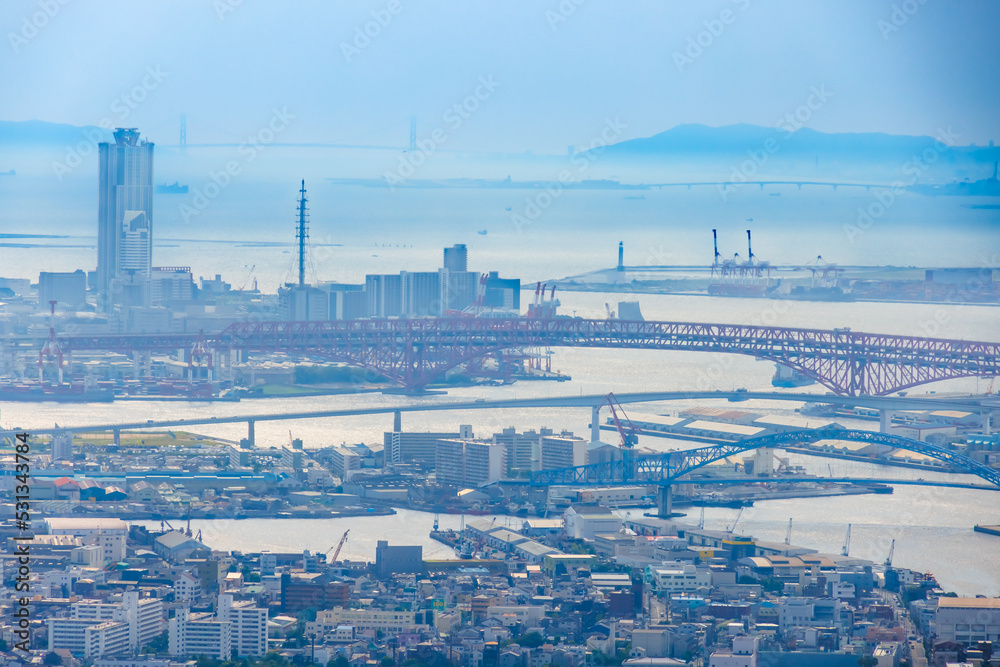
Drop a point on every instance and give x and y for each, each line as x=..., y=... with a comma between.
x=499, y=334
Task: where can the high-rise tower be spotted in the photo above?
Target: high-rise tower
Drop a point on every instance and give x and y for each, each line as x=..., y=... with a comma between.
x=124, y=221
x=456, y=258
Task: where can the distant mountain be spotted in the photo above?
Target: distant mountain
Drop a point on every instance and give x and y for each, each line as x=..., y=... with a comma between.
x=41, y=133
x=691, y=139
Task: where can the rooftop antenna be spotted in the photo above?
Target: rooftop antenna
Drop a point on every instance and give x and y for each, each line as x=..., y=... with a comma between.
x=302, y=234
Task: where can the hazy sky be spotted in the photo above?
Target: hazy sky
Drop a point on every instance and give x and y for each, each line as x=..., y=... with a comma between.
x=556, y=70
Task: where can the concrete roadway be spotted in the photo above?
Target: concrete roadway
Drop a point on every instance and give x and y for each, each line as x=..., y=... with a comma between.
x=971, y=404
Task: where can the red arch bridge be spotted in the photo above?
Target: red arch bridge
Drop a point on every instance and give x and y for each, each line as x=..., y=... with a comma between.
x=415, y=352
x=665, y=470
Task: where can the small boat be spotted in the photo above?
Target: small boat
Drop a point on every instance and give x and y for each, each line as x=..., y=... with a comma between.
x=482, y=232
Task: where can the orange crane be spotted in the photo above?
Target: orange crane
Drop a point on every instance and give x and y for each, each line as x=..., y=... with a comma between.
x=340, y=546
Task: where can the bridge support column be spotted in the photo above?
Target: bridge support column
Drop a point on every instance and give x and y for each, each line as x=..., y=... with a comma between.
x=986, y=423
x=665, y=501
x=250, y=432
x=885, y=420
x=118, y=437
x=595, y=424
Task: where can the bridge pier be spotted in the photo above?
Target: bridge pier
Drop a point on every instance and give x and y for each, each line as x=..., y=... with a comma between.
x=250, y=423
x=665, y=501
x=885, y=420
x=986, y=423
x=118, y=437
x=595, y=424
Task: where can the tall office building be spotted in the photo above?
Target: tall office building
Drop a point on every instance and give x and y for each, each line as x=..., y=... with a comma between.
x=456, y=258
x=125, y=221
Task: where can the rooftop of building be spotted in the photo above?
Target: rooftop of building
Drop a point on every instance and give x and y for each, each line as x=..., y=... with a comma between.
x=968, y=603
x=85, y=523
x=722, y=427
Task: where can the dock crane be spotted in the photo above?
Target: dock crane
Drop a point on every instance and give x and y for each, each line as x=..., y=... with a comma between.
x=246, y=279
x=788, y=534
x=628, y=431
x=847, y=543
x=340, y=545
x=888, y=559
x=738, y=515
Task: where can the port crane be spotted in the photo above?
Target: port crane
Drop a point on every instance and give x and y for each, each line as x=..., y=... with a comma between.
x=247, y=278
x=888, y=559
x=340, y=545
x=628, y=431
x=738, y=515
x=847, y=543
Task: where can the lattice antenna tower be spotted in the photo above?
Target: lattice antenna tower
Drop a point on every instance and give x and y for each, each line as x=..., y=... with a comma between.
x=303, y=233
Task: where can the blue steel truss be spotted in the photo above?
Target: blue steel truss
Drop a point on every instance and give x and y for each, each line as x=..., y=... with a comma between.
x=666, y=469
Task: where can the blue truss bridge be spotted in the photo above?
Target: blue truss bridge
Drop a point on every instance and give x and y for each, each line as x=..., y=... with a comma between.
x=670, y=468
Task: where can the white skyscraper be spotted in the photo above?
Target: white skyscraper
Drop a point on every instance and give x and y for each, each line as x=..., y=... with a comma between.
x=125, y=221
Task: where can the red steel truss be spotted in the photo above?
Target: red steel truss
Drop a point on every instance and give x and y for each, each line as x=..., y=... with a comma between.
x=415, y=352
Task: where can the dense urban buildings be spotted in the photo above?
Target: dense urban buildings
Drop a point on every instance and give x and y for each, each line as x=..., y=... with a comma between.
x=746, y=406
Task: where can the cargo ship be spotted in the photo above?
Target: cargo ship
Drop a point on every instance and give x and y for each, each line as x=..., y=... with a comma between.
x=32, y=392
x=789, y=377
x=803, y=293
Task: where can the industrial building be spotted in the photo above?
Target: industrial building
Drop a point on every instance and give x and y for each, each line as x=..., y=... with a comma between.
x=109, y=534
x=391, y=560
x=968, y=620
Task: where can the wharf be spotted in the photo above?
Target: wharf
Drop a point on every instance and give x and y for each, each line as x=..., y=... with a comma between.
x=989, y=530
